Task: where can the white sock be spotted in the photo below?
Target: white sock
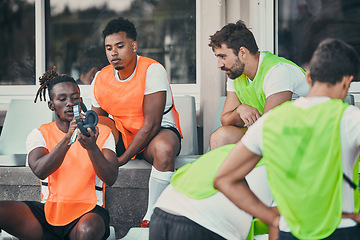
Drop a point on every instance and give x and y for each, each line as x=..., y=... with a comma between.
x=157, y=183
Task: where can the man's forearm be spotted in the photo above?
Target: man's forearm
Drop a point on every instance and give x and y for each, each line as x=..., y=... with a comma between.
x=242, y=196
x=50, y=162
x=232, y=118
x=104, y=169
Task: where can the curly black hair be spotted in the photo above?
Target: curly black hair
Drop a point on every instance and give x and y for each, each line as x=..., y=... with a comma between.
x=120, y=25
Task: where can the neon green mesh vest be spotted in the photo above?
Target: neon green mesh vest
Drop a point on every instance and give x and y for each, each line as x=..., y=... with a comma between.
x=302, y=154
x=253, y=94
x=196, y=179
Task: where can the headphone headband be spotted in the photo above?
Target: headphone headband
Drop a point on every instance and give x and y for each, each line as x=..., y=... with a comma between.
x=90, y=121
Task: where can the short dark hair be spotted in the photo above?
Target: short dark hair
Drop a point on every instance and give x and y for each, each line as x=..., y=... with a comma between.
x=120, y=25
x=332, y=60
x=235, y=36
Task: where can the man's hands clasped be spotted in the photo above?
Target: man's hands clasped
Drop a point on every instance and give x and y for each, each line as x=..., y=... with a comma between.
x=248, y=114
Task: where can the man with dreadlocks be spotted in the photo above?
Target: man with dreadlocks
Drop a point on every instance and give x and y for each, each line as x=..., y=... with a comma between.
x=75, y=173
x=135, y=91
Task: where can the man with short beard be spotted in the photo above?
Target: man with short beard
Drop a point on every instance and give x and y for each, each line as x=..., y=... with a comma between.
x=257, y=81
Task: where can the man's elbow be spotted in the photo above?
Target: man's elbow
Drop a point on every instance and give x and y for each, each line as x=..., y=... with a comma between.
x=225, y=121
x=42, y=175
x=110, y=183
x=219, y=182
x=151, y=128
x=111, y=180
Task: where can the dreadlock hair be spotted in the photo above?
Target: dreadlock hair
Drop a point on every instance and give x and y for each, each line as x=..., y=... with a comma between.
x=48, y=80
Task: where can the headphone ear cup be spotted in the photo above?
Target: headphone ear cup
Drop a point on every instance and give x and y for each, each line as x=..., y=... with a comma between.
x=91, y=119
x=83, y=128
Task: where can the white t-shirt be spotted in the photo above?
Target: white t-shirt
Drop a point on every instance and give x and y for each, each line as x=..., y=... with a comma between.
x=156, y=81
x=217, y=213
x=350, y=148
x=281, y=77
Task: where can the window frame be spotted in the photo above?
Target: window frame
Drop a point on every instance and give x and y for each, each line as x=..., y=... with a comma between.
x=273, y=17
x=7, y=92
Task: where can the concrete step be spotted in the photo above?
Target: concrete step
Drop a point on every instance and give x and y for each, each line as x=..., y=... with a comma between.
x=126, y=200
x=137, y=234
x=6, y=236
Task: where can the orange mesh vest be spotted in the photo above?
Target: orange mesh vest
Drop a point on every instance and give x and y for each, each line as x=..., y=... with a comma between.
x=72, y=185
x=124, y=100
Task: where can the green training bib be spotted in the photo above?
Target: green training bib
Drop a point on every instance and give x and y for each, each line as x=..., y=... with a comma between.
x=196, y=179
x=302, y=154
x=253, y=94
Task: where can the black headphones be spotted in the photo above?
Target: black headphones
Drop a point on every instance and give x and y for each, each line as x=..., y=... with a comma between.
x=90, y=121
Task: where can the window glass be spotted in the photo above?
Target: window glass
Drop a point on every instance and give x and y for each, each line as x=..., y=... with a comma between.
x=166, y=33
x=304, y=23
x=17, y=42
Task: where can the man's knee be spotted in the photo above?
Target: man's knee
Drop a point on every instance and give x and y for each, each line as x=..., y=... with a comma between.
x=88, y=232
x=163, y=155
x=165, y=148
x=219, y=138
x=90, y=229
x=164, y=151
x=226, y=135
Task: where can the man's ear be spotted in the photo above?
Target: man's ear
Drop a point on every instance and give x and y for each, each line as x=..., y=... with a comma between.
x=242, y=52
x=134, y=46
x=51, y=105
x=347, y=81
x=308, y=78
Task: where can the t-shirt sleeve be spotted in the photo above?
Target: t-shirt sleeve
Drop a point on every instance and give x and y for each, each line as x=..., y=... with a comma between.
x=253, y=137
x=34, y=140
x=230, y=85
x=282, y=77
x=110, y=143
x=350, y=125
x=92, y=96
x=156, y=79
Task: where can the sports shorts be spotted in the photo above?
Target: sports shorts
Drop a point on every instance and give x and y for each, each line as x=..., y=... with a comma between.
x=51, y=232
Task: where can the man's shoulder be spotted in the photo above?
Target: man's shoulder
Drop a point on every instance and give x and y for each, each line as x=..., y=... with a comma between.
x=147, y=60
x=47, y=125
x=353, y=112
x=278, y=61
x=106, y=68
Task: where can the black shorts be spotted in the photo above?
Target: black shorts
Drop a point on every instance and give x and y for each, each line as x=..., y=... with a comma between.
x=62, y=232
x=350, y=233
x=120, y=147
x=164, y=226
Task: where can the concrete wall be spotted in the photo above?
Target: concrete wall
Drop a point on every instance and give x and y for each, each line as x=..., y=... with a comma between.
x=214, y=15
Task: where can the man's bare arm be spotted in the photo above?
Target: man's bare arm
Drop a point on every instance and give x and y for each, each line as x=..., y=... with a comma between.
x=153, y=110
x=43, y=163
x=276, y=99
x=230, y=180
x=237, y=114
x=99, y=111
